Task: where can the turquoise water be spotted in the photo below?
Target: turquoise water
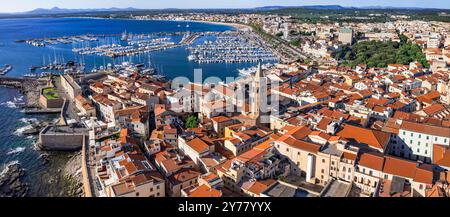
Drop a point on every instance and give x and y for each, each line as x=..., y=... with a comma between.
x=44, y=179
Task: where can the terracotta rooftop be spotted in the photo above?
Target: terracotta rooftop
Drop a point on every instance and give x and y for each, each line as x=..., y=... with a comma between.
x=198, y=145
x=425, y=129
x=372, y=160
x=441, y=155
x=373, y=138
x=220, y=119
x=204, y=191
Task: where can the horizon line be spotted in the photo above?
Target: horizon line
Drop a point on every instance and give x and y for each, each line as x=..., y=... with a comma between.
x=373, y=7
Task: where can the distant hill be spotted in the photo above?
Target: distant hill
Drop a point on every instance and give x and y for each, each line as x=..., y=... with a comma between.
x=318, y=7
x=64, y=11
x=57, y=10
x=339, y=7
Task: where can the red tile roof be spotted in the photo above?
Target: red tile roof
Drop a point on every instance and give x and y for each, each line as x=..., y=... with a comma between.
x=373, y=138
x=441, y=155
x=371, y=160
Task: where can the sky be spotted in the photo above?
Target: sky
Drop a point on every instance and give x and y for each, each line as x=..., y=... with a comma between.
x=27, y=5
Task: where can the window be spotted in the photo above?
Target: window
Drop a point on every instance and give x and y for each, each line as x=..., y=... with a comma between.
x=420, y=136
x=137, y=194
x=298, y=153
x=157, y=187
x=426, y=151
x=157, y=194
x=412, y=134
x=349, y=170
x=287, y=149
x=332, y=162
x=151, y=189
x=428, y=137
x=418, y=143
x=323, y=160
x=420, y=186
x=385, y=176
x=323, y=171
x=370, y=172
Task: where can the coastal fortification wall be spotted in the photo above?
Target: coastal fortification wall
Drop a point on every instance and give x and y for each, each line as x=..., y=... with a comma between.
x=85, y=170
x=60, y=141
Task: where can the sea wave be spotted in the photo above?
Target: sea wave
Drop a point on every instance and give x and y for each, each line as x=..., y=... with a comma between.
x=5, y=167
x=19, y=99
x=9, y=104
x=19, y=131
x=16, y=150
x=15, y=103
x=28, y=120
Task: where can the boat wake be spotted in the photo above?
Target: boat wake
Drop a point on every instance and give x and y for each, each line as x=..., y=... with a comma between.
x=16, y=150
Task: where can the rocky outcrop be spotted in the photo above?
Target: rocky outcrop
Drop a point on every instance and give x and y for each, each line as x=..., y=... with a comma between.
x=11, y=184
x=72, y=174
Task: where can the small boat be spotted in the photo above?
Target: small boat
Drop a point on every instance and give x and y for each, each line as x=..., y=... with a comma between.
x=33, y=68
x=5, y=69
x=30, y=75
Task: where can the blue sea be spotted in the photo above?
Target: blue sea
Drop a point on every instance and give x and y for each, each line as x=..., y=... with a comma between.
x=45, y=179
x=170, y=62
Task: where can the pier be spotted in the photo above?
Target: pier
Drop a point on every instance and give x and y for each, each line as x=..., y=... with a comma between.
x=16, y=82
x=38, y=111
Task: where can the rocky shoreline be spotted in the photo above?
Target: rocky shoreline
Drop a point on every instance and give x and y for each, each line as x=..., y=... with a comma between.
x=73, y=176
x=11, y=183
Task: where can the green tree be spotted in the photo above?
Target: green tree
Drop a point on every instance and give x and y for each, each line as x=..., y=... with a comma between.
x=192, y=122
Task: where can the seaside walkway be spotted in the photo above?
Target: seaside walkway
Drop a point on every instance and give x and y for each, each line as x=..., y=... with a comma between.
x=88, y=183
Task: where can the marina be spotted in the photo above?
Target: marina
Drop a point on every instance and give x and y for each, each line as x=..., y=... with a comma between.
x=133, y=45
x=230, y=47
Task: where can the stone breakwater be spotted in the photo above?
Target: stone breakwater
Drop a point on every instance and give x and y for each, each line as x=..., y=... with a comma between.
x=11, y=184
